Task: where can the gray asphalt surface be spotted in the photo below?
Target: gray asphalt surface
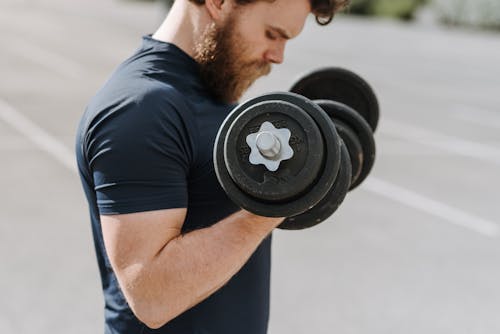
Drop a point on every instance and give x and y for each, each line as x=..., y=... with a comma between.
x=414, y=250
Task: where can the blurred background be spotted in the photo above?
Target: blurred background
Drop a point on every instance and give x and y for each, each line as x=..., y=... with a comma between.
x=414, y=250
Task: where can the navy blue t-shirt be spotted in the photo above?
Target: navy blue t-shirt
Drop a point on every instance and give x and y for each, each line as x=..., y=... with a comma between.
x=145, y=143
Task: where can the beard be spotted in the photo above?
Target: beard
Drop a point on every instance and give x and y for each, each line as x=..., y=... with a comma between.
x=223, y=68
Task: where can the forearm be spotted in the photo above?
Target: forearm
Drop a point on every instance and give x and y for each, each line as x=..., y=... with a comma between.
x=191, y=267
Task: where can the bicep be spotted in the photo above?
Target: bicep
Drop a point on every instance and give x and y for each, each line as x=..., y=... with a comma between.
x=136, y=238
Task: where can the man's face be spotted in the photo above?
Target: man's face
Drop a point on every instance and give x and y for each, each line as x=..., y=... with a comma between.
x=241, y=47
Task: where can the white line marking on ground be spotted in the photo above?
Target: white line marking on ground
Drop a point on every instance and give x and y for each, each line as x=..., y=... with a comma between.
x=430, y=206
x=479, y=121
x=455, y=145
x=477, y=115
x=48, y=59
x=37, y=135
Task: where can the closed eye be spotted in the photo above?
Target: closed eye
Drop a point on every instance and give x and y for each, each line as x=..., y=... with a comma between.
x=273, y=33
x=271, y=36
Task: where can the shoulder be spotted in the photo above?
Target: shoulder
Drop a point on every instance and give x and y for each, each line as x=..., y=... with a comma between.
x=141, y=114
x=135, y=105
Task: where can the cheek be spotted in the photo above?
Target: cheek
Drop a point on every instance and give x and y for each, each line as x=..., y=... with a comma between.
x=254, y=47
x=250, y=41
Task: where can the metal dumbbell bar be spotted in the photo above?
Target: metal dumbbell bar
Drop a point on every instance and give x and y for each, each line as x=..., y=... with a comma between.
x=283, y=155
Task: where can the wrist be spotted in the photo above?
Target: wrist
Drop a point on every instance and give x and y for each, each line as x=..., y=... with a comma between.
x=260, y=221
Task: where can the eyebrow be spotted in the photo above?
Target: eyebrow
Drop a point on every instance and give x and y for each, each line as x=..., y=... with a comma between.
x=280, y=31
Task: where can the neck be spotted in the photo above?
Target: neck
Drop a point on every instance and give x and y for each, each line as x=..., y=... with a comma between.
x=183, y=25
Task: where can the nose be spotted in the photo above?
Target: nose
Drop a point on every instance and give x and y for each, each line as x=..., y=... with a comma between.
x=275, y=53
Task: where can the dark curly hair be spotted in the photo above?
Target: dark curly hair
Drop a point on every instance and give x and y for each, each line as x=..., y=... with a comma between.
x=324, y=10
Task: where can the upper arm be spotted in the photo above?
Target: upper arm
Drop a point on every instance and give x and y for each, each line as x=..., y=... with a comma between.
x=132, y=242
x=139, y=155
x=136, y=238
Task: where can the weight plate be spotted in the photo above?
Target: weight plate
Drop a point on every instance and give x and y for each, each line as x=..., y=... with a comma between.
x=345, y=114
x=300, y=171
x=338, y=84
x=317, y=190
x=329, y=204
x=353, y=146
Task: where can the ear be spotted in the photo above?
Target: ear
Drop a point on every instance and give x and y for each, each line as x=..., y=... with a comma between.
x=215, y=9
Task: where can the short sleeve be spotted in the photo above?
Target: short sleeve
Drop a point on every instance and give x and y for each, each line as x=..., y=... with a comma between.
x=139, y=154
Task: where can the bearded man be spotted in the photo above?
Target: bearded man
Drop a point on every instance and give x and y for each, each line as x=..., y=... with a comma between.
x=175, y=254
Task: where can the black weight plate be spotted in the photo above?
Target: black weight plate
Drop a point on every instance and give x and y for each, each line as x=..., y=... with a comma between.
x=300, y=171
x=338, y=84
x=331, y=159
x=329, y=204
x=353, y=146
x=347, y=115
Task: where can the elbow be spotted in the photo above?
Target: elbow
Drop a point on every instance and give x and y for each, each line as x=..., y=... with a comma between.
x=151, y=315
x=151, y=302
x=154, y=323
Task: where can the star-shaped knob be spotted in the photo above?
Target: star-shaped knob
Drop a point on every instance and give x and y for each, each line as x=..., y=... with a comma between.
x=269, y=146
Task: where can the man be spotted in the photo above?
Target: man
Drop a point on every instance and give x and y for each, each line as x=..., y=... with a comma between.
x=174, y=253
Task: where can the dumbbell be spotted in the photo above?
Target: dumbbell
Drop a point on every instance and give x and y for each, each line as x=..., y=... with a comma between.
x=280, y=154
x=353, y=107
